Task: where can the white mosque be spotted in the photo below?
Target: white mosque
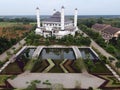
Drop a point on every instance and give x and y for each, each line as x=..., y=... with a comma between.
x=56, y=25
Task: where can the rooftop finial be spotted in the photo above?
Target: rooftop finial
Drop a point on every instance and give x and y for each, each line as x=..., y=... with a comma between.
x=54, y=9
x=63, y=7
x=76, y=9
x=37, y=8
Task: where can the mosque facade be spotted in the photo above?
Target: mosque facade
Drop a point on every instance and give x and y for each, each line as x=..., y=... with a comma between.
x=56, y=25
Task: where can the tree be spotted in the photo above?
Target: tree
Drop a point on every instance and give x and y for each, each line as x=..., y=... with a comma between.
x=100, y=41
x=85, y=41
x=103, y=59
x=47, y=42
x=47, y=83
x=110, y=49
x=1, y=63
x=5, y=44
x=100, y=20
x=90, y=88
x=117, y=64
x=90, y=64
x=87, y=22
x=33, y=39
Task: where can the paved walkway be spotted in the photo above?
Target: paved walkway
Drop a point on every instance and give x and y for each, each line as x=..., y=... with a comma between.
x=113, y=72
x=67, y=80
x=37, y=51
x=4, y=66
x=17, y=46
x=20, y=51
x=77, y=52
x=103, y=52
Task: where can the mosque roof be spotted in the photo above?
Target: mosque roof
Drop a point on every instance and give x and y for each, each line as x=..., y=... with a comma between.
x=56, y=17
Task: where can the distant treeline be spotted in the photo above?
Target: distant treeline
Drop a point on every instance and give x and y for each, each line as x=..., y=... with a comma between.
x=115, y=22
x=25, y=20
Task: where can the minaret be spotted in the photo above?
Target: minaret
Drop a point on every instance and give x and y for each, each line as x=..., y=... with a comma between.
x=54, y=10
x=62, y=18
x=38, y=16
x=75, y=18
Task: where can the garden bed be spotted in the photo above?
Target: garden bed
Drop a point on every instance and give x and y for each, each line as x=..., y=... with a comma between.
x=97, y=68
x=12, y=68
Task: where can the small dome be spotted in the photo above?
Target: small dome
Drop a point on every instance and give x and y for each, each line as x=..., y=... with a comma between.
x=63, y=7
x=76, y=9
x=37, y=8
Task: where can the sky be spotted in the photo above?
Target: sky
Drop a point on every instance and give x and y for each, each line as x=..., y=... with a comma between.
x=85, y=7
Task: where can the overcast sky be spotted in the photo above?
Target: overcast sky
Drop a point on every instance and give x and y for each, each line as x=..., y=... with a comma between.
x=85, y=7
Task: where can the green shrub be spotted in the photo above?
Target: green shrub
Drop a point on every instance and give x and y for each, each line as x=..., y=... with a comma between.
x=47, y=82
x=47, y=42
x=110, y=49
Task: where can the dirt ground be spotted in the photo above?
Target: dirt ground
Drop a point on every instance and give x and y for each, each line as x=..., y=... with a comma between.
x=9, y=33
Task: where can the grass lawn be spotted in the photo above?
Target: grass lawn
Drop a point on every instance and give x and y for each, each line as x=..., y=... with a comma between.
x=56, y=68
x=79, y=65
x=6, y=24
x=29, y=65
x=33, y=23
x=43, y=64
x=12, y=68
x=99, y=68
x=2, y=79
x=39, y=66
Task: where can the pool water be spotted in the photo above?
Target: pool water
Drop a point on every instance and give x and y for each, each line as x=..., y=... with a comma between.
x=86, y=53
x=57, y=54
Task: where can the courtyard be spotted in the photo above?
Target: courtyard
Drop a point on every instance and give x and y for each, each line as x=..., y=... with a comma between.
x=58, y=65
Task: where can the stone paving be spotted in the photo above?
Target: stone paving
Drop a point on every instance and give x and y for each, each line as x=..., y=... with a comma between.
x=67, y=80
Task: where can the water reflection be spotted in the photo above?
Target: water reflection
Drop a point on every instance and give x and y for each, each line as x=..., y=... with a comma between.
x=88, y=54
x=57, y=53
